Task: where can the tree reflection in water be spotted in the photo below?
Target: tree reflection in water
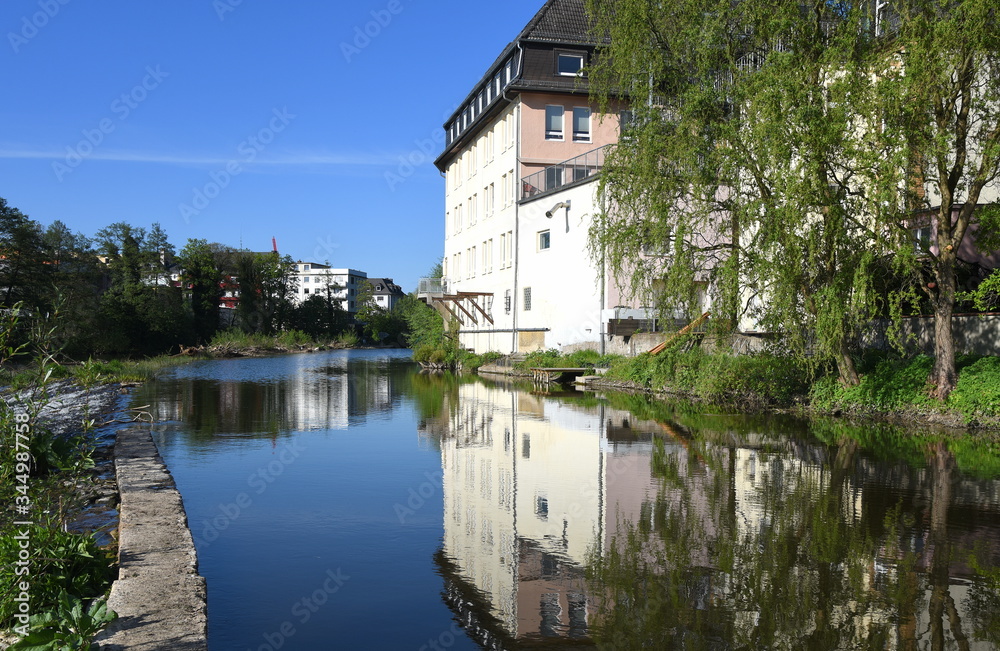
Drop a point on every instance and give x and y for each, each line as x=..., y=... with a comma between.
x=751, y=544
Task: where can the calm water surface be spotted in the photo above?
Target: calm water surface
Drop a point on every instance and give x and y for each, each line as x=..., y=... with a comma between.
x=343, y=500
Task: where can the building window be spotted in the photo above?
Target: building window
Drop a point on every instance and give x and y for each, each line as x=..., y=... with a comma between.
x=527, y=299
x=305, y=291
x=541, y=507
x=922, y=239
x=553, y=177
x=553, y=122
x=506, y=302
x=544, y=240
x=305, y=267
x=306, y=279
x=570, y=65
x=581, y=124
x=626, y=121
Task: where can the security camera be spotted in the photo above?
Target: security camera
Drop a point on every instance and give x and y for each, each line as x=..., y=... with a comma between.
x=561, y=204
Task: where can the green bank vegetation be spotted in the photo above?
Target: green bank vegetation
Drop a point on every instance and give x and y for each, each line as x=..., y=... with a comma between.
x=888, y=384
x=53, y=583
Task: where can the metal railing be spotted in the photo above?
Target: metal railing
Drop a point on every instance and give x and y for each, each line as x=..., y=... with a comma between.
x=556, y=176
x=432, y=286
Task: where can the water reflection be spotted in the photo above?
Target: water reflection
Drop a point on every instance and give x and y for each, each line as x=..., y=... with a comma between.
x=291, y=393
x=621, y=523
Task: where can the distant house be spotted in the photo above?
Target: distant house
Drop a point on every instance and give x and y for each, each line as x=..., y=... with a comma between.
x=386, y=292
x=343, y=284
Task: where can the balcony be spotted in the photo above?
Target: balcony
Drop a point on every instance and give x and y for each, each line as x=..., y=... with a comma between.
x=432, y=287
x=566, y=173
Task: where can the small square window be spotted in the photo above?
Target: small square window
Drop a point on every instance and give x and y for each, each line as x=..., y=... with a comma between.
x=570, y=65
x=305, y=291
x=544, y=240
x=305, y=267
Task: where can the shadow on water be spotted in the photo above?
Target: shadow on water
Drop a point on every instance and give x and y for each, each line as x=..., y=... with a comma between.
x=620, y=522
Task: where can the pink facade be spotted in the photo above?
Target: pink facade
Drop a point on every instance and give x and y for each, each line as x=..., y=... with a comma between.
x=537, y=152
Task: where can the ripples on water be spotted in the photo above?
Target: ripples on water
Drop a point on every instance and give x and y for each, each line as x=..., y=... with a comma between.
x=343, y=500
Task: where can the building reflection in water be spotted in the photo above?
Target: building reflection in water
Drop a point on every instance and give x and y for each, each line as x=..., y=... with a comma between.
x=270, y=395
x=529, y=484
x=704, y=533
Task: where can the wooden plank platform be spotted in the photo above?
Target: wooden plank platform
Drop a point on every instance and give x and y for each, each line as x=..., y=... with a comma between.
x=550, y=375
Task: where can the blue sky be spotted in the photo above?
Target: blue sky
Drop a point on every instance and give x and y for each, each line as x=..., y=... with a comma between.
x=238, y=120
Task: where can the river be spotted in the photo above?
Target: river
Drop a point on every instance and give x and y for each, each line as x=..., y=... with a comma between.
x=344, y=500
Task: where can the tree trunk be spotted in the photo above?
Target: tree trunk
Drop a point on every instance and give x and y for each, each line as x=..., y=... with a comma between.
x=845, y=365
x=944, y=376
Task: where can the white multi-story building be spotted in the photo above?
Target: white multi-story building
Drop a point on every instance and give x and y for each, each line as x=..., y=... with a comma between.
x=343, y=284
x=520, y=163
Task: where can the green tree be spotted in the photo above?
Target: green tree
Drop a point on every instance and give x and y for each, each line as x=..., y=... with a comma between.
x=267, y=284
x=771, y=152
x=76, y=278
x=139, y=313
x=24, y=272
x=937, y=99
x=205, y=265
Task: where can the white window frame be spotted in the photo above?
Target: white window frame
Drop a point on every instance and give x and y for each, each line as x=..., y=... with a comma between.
x=580, y=56
x=544, y=237
x=580, y=136
x=553, y=134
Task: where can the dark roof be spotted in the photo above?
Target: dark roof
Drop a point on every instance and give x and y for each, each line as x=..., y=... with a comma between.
x=389, y=288
x=563, y=21
x=560, y=22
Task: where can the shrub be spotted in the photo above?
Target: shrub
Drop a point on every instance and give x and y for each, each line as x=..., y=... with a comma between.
x=293, y=338
x=62, y=562
x=893, y=384
x=977, y=393
x=348, y=339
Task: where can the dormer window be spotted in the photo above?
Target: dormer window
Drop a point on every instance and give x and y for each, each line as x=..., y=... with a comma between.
x=569, y=64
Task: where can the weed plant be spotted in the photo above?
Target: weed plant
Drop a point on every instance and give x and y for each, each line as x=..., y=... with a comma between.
x=65, y=569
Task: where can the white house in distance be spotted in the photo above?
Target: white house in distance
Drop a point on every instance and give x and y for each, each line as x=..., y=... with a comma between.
x=385, y=292
x=313, y=278
x=520, y=163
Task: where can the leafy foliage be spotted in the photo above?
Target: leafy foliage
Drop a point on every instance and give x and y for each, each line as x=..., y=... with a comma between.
x=782, y=153
x=68, y=627
x=977, y=394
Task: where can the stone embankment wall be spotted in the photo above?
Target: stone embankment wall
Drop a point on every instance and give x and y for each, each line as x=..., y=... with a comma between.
x=159, y=596
x=977, y=334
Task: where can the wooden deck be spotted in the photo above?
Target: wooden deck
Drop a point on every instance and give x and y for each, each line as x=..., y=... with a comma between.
x=553, y=375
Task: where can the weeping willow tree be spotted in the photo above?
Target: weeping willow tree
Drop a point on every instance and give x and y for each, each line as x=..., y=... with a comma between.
x=774, y=153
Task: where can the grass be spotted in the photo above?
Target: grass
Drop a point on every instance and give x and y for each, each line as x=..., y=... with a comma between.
x=235, y=338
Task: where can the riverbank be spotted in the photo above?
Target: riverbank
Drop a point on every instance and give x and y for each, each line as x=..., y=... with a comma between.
x=891, y=389
x=103, y=491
